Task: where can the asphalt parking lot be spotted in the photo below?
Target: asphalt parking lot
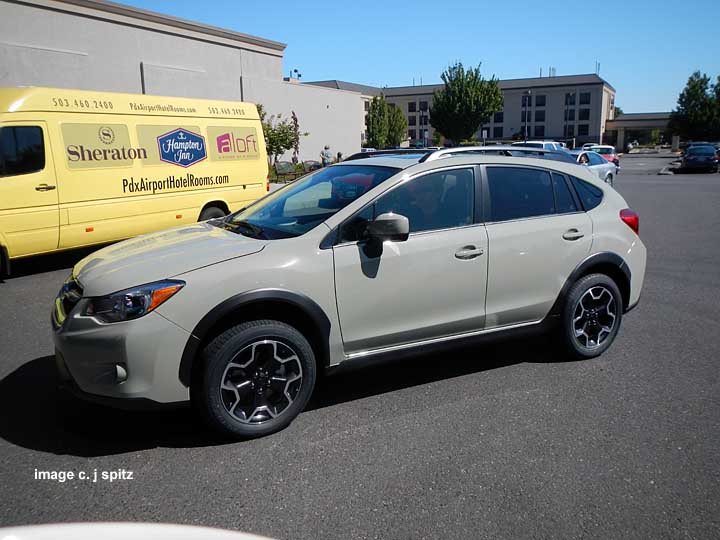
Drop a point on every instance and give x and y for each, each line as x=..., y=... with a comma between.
x=503, y=441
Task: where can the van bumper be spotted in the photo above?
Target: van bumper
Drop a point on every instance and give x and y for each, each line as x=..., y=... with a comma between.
x=133, y=364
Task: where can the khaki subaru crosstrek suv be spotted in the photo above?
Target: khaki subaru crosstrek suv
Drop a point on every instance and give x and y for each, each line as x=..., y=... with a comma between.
x=379, y=256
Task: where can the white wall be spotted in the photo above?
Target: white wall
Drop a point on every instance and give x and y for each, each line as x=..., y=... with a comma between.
x=333, y=117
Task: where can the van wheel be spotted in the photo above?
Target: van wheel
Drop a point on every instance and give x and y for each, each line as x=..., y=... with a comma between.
x=256, y=378
x=211, y=212
x=591, y=316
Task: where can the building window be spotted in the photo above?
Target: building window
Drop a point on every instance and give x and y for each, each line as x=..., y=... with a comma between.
x=569, y=115
x=539, y=131
x=523, y=116
x=569, y=131
x=412, y=106
x=585, y=98
x=498, y=117
x=423, y=120
x=412, y=120
x=411, y=133
x=540, y=101
x=367, y=106
x=570, y=98
x=539, y=116
x=423, y=105
x=584, y=114
x=527, y=101
x=497, y=132
x=583, y=129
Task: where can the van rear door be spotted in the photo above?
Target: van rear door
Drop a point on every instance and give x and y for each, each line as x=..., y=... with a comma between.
x=29, y=214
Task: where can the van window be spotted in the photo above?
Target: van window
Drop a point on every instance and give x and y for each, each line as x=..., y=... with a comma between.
x=22, y=150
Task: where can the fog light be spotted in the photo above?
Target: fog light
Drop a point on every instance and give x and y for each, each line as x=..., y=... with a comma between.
x=120, y=373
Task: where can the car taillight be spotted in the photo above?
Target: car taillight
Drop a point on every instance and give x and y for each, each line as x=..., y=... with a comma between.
x=631, y=219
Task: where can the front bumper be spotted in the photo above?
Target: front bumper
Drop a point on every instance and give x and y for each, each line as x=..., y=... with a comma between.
x=136, y=360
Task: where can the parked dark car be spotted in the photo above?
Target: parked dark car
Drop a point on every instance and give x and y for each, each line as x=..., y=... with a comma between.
x=700, y=158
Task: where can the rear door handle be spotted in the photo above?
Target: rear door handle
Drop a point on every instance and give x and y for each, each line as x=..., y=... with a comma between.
x=44, y=187
x=572, y=234
x=468, y=252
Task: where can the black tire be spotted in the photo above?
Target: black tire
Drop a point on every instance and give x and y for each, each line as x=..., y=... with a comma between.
x=211, y=212
x=583, y=346
x=214, y=401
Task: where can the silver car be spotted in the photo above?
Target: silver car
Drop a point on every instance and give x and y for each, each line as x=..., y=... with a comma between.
x=366, y=258
x=600, y=167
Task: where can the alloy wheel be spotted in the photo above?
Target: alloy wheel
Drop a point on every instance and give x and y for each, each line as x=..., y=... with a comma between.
x=594, y=317
x=261, y=381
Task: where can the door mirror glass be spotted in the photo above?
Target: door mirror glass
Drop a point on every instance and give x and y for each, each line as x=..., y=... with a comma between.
x=389, y=226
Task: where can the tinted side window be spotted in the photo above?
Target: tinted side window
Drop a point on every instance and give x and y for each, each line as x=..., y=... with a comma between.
x=440, y=200
x=595, y=159
x=517, y=193
x=590, y=196
x=22, y=150
x=564, y=200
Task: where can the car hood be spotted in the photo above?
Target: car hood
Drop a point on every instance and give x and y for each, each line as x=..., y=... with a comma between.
x=160, y=255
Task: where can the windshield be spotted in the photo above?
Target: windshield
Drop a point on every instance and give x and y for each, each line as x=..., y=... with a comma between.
x=702, y=150
x=303, y=205
x=603, y=150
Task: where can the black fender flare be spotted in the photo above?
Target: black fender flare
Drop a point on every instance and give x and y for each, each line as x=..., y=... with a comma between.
x=603, y=257
x=227, y=307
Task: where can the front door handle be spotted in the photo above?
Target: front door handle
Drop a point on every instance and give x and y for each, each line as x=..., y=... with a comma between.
x=572, y=234
x=468, y=252
x=44, y=187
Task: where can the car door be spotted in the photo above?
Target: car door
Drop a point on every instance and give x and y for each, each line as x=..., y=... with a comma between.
x=537, y=235
x=430, y=286
x=29, y=214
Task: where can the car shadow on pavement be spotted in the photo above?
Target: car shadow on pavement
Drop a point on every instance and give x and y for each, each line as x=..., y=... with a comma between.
x=39, y=415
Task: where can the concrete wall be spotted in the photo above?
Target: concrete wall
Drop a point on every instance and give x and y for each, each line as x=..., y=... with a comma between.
x=333, y=117
x=69, y=45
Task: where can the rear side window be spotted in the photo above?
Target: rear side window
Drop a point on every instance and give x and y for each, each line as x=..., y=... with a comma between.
x=564, y=200
x=22, y=150
x=517, y=193
x=590, y=196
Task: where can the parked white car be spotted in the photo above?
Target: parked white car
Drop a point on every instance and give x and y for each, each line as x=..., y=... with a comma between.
x=605, y=170
x=547, y=145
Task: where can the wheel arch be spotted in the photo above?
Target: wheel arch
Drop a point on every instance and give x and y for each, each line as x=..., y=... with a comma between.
x=289, y=307
x=217, y=203
x=610, y=264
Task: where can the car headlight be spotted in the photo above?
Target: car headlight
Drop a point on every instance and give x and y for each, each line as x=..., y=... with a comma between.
x=132, y=303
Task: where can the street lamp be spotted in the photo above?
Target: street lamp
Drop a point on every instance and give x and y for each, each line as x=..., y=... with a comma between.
x=526, y=102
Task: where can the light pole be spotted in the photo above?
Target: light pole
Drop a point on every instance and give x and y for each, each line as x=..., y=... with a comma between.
x=526, y=103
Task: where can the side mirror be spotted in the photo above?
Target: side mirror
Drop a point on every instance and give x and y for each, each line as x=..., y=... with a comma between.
x=389, y=226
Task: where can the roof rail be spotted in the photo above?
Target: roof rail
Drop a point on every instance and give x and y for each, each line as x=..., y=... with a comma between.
x=504, y=150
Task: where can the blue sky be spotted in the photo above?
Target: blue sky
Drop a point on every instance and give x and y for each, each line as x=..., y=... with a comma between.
x=646, y=49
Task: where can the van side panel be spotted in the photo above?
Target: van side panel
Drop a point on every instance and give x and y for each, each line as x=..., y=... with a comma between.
x=124, y=165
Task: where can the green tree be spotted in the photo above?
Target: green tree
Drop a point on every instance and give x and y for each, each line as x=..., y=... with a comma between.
x=618, y=112
x=465, y=103
x=377, y=122
x=697, y=115
x=397, y=127
x=281, y=134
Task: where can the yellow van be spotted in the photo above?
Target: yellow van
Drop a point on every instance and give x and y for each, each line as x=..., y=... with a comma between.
x=79, y=168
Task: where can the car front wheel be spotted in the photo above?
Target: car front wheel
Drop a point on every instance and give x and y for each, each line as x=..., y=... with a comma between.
x=591, y=316
x=256, y=378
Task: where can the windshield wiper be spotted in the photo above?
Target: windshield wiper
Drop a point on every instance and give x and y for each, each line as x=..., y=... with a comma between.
x=243, y=224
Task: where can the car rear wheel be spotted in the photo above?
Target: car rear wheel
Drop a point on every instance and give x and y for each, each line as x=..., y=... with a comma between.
x=256, y=378
x=211, y=212
x=591, y=316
